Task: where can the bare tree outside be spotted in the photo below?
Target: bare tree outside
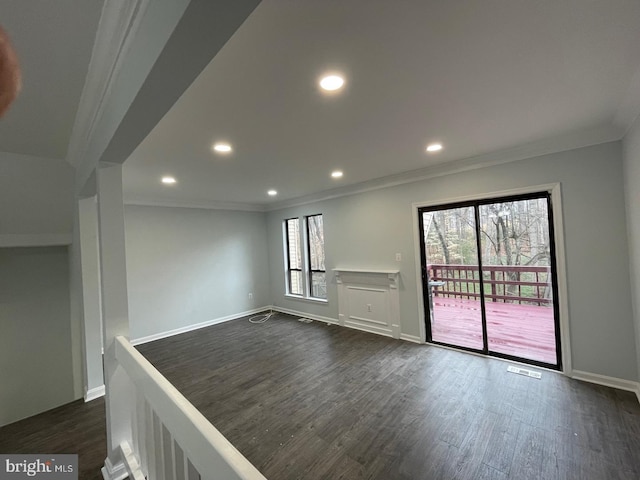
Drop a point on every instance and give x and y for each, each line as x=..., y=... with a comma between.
x=294, y=257
x=512, y=234
x=516, y=233
x=489, y=279
x=315, y=232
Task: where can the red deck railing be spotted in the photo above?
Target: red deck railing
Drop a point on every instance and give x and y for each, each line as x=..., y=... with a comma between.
x=528, y=285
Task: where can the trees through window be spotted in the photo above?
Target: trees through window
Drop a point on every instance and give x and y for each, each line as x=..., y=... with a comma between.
x=294, y=258
x=305, y=260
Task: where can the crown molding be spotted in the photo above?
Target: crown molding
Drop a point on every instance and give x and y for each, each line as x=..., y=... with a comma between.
x=118, y=25
x=580, y=139
x=22, y=157
x=208, y=205
x=35, y=240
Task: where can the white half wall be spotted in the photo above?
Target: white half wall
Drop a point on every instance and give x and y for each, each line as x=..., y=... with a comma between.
x=188, y=266
x=36, y=371
x=631, y=160
x=366, y=230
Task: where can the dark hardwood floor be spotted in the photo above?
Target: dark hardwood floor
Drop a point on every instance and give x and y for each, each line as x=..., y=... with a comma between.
x=311, y=401
x=77, y=427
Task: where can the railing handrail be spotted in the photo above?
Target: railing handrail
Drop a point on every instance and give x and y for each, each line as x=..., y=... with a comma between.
x=453, y=286
x=488, y=268
x=202, y=443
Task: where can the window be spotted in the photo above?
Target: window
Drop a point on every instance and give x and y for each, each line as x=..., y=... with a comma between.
x=315, y=247
x=294, y=259
x=305, y=264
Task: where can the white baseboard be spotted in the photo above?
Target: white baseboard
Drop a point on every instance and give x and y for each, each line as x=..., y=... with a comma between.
x=94, y=393
x=334, y=321
x=410, y=338
x=606, y=381
x=196, y=326
x=296, y=313
x=369, y=329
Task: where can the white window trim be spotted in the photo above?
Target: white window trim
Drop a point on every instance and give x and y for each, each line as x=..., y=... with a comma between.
x=306, y=299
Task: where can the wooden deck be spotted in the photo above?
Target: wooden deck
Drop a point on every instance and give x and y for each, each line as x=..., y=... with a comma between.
x=525, y=331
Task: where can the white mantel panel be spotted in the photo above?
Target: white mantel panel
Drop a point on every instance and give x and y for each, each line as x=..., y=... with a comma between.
x=369, y=300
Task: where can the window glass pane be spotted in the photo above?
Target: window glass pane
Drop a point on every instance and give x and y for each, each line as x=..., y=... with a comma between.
x=316, y=242
x=453, y=276
x=318, y=285
x=516, y=259
x=293, y=236
x=295, y=282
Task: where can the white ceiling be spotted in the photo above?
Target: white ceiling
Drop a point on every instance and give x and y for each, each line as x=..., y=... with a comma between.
x=481, y=77
x=53, y=40
x=478, y=76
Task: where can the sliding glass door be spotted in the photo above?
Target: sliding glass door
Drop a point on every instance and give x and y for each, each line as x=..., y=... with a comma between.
x=489, y=277
x=453, y=292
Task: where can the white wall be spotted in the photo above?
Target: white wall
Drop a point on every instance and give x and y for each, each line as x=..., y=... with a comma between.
x=88, y=284
x=631, y=159
x=367, y=229
x=36, y=210
x=187, y=266
x=36, y=371
x=36, y=199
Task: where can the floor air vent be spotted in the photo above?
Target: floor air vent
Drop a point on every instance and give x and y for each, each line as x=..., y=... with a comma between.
x=305, y=320
x=524, y=371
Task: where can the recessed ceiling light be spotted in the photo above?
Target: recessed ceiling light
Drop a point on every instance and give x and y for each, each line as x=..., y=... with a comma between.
x=222, y=147
x=168, y=180
x=332, y=82
x=336, y=174
x=272, y=193
x=434, y=147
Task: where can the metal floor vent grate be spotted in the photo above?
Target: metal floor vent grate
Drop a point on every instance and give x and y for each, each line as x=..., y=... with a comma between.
x=305, y=320
x=524, y=371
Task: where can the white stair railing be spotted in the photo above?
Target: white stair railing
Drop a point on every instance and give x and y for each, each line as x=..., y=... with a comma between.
x=170, y=438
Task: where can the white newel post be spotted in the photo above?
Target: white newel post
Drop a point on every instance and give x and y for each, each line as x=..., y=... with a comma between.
x=113, y=270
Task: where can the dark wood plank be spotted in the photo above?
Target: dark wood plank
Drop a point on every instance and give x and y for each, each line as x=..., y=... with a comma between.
x=77, y=428
x=316, y=401
x=311, y=401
